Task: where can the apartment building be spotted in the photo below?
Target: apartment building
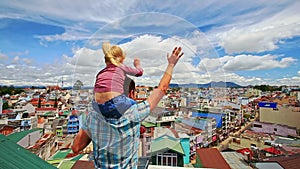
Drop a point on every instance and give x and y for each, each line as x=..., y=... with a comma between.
x=270, y=112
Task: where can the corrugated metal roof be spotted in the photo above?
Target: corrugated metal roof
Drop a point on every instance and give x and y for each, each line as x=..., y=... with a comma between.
x=77, y=157
x=60, y=154
x=148, y=124
x=16, y=137
x=290, y=162
x=14, y=156
x=83, y=165
x=165, y=143
x=212, y=158
x=235, y=160
x=66, y=164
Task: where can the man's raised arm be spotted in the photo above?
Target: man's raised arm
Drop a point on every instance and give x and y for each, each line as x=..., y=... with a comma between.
x=164, y=83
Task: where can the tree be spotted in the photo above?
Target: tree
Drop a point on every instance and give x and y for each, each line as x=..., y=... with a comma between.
x=77, y=85
x=11, y=90
x=5, y=105
x=39, y=103
x=55, y=102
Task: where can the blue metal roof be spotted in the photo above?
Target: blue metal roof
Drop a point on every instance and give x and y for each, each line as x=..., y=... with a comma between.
x=218, y=117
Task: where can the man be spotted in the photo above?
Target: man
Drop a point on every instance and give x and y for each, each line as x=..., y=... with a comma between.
x=115, y=141
x=82, y=139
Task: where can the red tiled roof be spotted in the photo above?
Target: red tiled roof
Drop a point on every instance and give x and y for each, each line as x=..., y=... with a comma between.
x=212, y=158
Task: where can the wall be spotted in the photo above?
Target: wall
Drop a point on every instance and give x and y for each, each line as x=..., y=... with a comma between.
x=281, y=115
x=30, y=139
x=276, y=129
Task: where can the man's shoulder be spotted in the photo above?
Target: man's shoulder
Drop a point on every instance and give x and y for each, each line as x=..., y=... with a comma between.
x=138, y=112
x=144, y=105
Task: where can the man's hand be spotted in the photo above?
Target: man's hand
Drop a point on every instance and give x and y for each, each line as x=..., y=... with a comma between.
x=81, y=140
x=175, y=56
x=164, y=83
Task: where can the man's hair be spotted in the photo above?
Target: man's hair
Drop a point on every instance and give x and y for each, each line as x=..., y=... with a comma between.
x=129, y=85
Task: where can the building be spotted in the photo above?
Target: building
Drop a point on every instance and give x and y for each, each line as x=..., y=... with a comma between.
x=73, y=124
x=167, y=151
x=208, y=125
x=145, y=138
x=270, y=112
x=250, y=139
x=210, y=158
x=196, y=138
x=276, y=129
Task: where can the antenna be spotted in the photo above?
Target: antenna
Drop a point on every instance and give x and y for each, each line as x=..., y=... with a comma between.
x=62, y=81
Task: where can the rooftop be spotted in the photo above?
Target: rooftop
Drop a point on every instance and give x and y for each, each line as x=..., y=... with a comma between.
x=205, y=156
x=14, y=156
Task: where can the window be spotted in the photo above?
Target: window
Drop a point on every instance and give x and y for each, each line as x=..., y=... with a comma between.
x=148, y=139
x=268, y=143
x=257, y=125
x=275, y=129
x=166, y=159
x=148, y=147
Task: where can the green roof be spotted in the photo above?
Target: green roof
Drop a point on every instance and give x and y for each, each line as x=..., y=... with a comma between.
x=54, y=162
x=77, y=157
x=61, y=162
x=166, y=142
x=148, y=124
x=14, y=156
x=49, y=113
x=67, y=112
x=61, y=154
x=66, y=164
x=16, y=137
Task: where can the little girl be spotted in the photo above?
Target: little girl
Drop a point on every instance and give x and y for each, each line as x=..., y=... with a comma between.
x=108, y=89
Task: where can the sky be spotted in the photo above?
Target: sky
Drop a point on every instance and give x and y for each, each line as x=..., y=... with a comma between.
x=59, y=42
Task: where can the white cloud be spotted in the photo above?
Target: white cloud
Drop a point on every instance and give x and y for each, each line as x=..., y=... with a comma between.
x=237, y=26
x=265, y=33
x=152, y=50
x=250, y=62
x=245, y=63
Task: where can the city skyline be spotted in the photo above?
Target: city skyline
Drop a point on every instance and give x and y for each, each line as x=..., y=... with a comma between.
x=43, y=43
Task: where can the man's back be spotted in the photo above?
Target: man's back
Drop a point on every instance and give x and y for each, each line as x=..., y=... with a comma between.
x=116, y=141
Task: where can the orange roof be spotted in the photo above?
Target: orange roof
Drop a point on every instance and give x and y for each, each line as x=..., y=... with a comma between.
x=212, y=158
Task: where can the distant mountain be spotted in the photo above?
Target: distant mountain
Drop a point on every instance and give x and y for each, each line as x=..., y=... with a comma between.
x=207, y=85
x=36, y=87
